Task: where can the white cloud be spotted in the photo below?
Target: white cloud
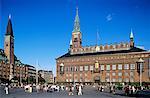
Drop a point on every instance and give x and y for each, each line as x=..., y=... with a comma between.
x=109, y=17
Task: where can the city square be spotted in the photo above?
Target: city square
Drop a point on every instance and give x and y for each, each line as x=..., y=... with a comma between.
x=73, y=48
x=89, y=92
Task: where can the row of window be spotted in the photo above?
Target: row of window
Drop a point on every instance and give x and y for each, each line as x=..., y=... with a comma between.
x=120, y=80
x=106, y=80
x=106, y=47
x=102, y=67
x=121, y=74
x=131, y=74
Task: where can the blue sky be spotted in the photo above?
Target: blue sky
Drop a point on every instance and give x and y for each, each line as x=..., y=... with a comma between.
x=42, y=28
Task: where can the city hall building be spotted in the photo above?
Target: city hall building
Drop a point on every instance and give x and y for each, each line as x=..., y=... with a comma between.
x=123, y=62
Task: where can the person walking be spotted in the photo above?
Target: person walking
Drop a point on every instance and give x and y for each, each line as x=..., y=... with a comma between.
x=80, y=90
x=70, y=90
x=30, y=88
x=38, y=88
x=6, y=89
x=127, y=90
x=77, y=89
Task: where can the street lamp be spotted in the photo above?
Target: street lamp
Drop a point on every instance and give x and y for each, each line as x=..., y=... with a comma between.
x=140, y=69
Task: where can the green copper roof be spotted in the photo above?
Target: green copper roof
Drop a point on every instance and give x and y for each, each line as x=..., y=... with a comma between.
x=76, y=22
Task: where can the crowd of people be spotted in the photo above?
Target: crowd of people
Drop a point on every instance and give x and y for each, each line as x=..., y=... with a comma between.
x=77, y=89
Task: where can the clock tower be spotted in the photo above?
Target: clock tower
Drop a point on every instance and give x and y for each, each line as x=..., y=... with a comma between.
x=9, y=42
x=76, y=34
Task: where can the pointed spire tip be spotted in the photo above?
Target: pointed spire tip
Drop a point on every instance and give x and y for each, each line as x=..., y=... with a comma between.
x=9, y=16
x=131, y=34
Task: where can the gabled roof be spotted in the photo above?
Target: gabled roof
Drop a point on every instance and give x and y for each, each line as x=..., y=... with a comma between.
x=133, y=49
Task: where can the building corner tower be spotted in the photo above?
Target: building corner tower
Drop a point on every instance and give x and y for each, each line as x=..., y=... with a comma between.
x=76, y=33
x=9, y=45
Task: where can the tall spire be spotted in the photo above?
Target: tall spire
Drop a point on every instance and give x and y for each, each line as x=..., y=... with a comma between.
x=131, y=34
x=76, y=22
x=131, y=39
x=9, y=30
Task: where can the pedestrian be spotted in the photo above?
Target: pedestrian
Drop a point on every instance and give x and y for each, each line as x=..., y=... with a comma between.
x=30, y=89
x=133, y=88
x=6, y=88
x=77, y=89
x=70, y=90
x=57, y=87
x=102, y=88
x=38, y=88
x=127, y=90
x=114, y=89
x=111, y=89
x=80, y=90
x=45, y=88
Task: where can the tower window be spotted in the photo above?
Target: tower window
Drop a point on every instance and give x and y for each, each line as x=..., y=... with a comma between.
x=75, y=39
x=6, y=44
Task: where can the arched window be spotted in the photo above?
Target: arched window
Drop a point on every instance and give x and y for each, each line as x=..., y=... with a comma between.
x=61, y=68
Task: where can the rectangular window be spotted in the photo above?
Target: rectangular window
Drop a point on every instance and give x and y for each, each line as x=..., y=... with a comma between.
x=113, y=67
x=113, y=80
x=126, y=66
x=119, y=73
x=66, y=80
x=107, y=79
x=131, y=79
x=113, y=74
x=102, y=67
x=126, y=74
x=76, y=68
x=81, y=68
x=120, y=79
x=107, y=74
x=132, y=66
x=126, y=80
x=107, y=67
x=70, y=80
x=86, y=68
x=71, y=69
x=91, y=68
x=119, y=66
x=66, y=69
x=131, y=73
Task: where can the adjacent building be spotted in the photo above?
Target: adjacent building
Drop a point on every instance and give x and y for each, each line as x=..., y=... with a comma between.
x=10, y=67
x=46, y=75
x=102, y=63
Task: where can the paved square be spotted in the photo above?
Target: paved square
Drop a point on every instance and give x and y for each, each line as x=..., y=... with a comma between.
x=88, y=92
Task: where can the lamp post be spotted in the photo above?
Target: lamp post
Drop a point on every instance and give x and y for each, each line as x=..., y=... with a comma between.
x=140, y=69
